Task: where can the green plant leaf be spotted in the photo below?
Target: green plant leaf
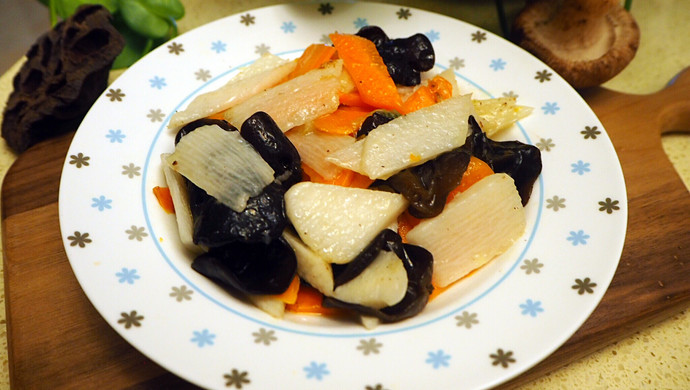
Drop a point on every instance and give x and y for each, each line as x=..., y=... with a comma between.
x=165, y=8
x=65, y=8
x=136, y=46
x=141, y=20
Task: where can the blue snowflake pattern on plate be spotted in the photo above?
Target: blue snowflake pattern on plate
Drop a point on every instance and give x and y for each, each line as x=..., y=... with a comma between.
x=316, y=370
x=102, y=203
x=578, y=237
x=128, y=276
x=438, y=359
x=550, y=108
x=498, y=64
x=219, y=46
x=531, y=308
x=115, y=136
x=203, y=338
x=158, y=82
x=580, y=167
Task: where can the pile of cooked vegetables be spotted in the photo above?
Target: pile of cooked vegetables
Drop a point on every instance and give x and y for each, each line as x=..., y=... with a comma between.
x=348, y=180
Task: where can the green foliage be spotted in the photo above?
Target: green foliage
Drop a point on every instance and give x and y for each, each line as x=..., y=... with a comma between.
x=145, y=24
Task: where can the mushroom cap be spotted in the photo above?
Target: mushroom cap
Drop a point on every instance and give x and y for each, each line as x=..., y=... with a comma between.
x=585, y=46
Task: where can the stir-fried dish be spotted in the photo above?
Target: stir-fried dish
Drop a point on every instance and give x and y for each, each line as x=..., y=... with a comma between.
x=352, y=179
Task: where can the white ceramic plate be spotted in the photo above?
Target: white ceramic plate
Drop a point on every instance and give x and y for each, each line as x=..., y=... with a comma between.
x=489, y=328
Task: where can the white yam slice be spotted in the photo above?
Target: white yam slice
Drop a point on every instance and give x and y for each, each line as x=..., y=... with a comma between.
x=476, y=226
x=339, y=222
x=315, y=146
x=262, y=74
x=296, y=101
x=498, y=114
x=269, y=304
x=349, y=157
x=180, y=198
x=383, y=283
x=415, y=138
x=223, y=164
x=310, y=266
x=369, y=322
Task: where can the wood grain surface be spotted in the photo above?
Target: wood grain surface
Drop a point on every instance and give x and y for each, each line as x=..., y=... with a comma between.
x=56, y=339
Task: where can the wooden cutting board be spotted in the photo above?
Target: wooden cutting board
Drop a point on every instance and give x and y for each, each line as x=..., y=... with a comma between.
x=56, y=339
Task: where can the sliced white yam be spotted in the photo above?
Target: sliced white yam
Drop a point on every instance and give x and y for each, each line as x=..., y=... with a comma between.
x=223, y=164
x=369, y=322
x=415, y=138
x=476, y=226
x=296, y=101
x=339, y=222
x=262, y=74
x=499, y=113
x=346, y=83
x=180, y=198
x=315, y=146
x=349, y=157
x=310, y=266
x=383, y=283
x=269, y=304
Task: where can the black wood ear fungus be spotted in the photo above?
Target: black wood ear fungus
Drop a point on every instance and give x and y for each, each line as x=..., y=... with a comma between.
x=250, y=268
x=520, y=161
x=376, y=119
x=405, y=58
x=427, y=186
x=264, y=218
x=274, y=147
x=418, y=264
x=216, y=224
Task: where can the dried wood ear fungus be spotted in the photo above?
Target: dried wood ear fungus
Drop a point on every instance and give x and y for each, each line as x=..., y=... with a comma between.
x=66, y=70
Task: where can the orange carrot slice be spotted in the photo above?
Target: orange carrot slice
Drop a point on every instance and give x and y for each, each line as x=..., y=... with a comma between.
x=436, y=90
x=164, y=198
x=422, y=97
x=476, y=170
x=365, y=65
x=441, y=88
x=343, y=121
x=360, y=181
x=405, y=223
x=353, y=99
x=313, y=57
x=289, y=296
x=344, y=178
x=309, y=301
